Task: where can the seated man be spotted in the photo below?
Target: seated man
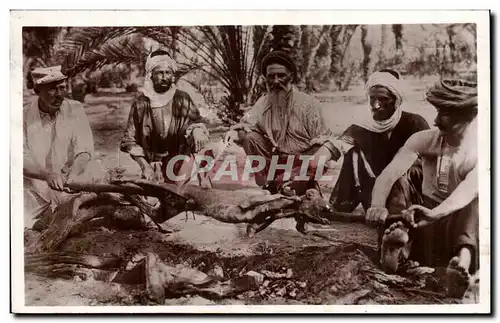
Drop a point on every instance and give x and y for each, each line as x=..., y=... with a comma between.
x=163, y=122
x=369, y=146
x=284, y=122
x=58, y=145
x=443, y=228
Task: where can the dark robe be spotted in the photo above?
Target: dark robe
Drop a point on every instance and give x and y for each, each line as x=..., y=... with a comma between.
x=142, y=130
x=379, y=150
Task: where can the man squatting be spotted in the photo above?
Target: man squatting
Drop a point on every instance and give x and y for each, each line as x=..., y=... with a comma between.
x=58, y=147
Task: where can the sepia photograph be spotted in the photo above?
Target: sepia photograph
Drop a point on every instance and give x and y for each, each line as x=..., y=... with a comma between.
x=288, y=161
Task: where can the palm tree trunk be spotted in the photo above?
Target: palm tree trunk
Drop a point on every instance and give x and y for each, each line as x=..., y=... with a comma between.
x=309, y=51
x=288, y=38
x=340, y=37
x=383, y=43
x=367, y=49
x=305, y=43
x=175, y=34
x=398, y=36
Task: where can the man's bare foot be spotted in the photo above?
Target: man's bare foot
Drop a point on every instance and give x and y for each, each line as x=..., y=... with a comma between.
x=457, y=278
x=393, y=244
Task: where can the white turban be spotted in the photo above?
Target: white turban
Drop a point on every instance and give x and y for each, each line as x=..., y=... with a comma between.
x=393, y=84
x=158, y=99
x=159, y=60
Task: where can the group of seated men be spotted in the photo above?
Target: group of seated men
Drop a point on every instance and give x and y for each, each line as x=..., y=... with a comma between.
x=393, y=162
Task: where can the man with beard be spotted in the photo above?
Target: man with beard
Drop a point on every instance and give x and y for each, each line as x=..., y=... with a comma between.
x=58, y=145
x=443, y=228
x=370, y=145
x=163, y=121
x=283, y=122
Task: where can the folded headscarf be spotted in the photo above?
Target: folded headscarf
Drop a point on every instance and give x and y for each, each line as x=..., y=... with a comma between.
x=158, y=99
x=459, y=95
x=393, y=84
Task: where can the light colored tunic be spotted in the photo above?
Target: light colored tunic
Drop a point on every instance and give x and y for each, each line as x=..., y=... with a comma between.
x=53, y=142
x=292, y=131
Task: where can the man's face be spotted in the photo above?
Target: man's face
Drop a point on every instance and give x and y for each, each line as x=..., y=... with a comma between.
x=278, y=78
x=448, y=123
x=162, y=77
x=382, y=102
x=53, y=94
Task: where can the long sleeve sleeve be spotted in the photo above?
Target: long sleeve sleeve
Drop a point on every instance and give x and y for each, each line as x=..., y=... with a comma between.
x=252, y=116
x=319, y=132
x=129, y=141
x=316, y=123
x=194, y=118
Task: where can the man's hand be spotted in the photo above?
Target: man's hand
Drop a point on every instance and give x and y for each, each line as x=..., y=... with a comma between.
x=236, y=133
x=78, y=168
x=424, y=216
x=324, y=154
x=376, y=215
x=148, y=172
x=200, y=139
x=231, y=136
x=56, y=181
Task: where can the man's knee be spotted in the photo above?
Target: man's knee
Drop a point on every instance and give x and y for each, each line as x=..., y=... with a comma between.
x=253, y=142
x=399, y=198
x=405, y=192
x=467, y=224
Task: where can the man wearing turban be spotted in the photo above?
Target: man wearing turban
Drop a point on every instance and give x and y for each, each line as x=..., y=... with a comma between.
x=284, y=122
x=163, y=121
x=443, y=228
x=371, y=144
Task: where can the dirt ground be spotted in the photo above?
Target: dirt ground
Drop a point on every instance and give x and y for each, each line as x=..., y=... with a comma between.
x=327, y=260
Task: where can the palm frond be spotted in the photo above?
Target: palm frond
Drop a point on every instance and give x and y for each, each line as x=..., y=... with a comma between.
x=77, y=45
x=162, y=35
x=117, y=51
x=191, y=41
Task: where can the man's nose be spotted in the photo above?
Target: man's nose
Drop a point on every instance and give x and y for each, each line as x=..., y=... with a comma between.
x=376, y=105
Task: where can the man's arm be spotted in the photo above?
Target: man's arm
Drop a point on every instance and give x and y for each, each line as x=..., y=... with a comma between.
x=403, y=160
x=251, y=116
x=320, y=134
x=196, y=131
x=32, y=169
x=238, y=131
x=129, y=145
